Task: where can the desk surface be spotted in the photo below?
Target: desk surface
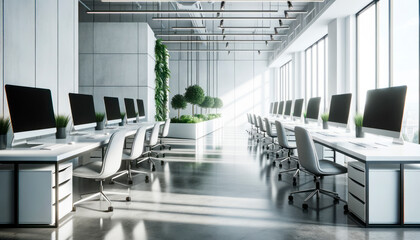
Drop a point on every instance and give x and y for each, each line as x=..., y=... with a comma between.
x=379, y=149
x=82, y=144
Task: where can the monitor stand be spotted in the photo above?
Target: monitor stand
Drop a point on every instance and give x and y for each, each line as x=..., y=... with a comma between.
x=23, y=144
x=399, y=141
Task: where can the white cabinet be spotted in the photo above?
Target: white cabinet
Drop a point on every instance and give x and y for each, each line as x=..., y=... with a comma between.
x=412, y=194
x=6, y=193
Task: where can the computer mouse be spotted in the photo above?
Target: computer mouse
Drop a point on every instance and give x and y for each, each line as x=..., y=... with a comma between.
x=107, y=133
x=71, y=143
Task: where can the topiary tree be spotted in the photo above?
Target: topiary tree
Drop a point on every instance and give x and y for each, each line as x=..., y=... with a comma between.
x=194, y=94
x=178, y=102
x=218, y=103
x=207, y=103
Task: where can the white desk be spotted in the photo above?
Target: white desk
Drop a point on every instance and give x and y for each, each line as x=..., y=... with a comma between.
x=81, y=144
x=381, y=152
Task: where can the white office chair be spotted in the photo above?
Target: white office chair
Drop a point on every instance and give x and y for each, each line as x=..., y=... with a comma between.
x=100, y=170
x=150, y=144
x=164, y=134
x=319, y=168
x=133, y=154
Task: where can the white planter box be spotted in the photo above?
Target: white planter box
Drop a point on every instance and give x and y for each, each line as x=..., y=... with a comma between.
x=194, y=130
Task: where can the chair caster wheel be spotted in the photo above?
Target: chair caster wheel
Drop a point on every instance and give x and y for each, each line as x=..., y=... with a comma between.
x=110, y=209
x=162, y=163
x=274, y=164
x=346, y=208
x=73, y=209
x=290, y=198
x=161, y=148
x=268, y=148
x=280, y=165
x=305, y=206
x=111, y=182
x=288, y=161
x=268, y=155
x=163, y=155
x=153, y=168
x=170, y=148
x=146, y=179
x=277, y=155
x=130, y=181
x=128, y=199
x=279, y=177
x=294, y=183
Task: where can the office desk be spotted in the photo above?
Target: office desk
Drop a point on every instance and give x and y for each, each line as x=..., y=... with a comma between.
x=82, y=144
x=380, y=153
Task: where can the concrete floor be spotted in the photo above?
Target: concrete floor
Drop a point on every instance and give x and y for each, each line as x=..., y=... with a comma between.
x=222, y=188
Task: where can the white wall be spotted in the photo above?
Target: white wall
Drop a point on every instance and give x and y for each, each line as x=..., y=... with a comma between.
x=39, y=48
x=117, y=60
x=243, y=81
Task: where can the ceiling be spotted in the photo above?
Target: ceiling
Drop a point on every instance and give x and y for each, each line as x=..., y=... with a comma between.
x=259, y=27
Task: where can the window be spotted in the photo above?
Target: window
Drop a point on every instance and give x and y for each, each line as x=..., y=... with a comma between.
x=316, y=71
x=286, y=82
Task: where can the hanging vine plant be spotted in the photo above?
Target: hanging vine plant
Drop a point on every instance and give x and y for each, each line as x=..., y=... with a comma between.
x=162, y=73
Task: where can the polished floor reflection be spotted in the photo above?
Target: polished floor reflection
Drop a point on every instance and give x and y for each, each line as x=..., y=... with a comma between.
x=219, y=187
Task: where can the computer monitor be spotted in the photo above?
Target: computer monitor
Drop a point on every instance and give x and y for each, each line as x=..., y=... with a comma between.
x=288, y=108
x=31, y=111
x=112, y=109
x=275, y=107
x=140, y=107
x=82, y=111
x=271, y=108
x=384, y=110
x=339, y=110
x=297, y=111
x=281, y=107
x=130, y=109
x=312, y=111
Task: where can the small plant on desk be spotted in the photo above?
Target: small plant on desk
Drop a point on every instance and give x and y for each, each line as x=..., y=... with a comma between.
x=4, y=129
x=358, y=121
x=324, y=118
x=304, y=118
x=122, y=118
x=61, y=122
x=100, y=121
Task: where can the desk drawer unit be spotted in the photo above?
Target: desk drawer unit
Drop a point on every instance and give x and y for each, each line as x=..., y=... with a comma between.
x=383, y=193
x=412, y=194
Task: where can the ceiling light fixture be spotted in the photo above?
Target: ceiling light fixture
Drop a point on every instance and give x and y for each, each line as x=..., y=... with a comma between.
x=218, y=50
x=246, y=27
x=289, y=5
x=178, y=11
x=219, y=18
x=216, y=34
x=219, y=40
x=187, y=28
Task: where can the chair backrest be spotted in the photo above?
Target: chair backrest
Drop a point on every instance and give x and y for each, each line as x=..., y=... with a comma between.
x=252, y=119
x=256, y=121
x=249, y=119
x=138, y=143
x=112, y=158
x=268, y=128
x=155, y=134
x=260, y=124
x=165, y=130
x=281, y=135
x=308, y=157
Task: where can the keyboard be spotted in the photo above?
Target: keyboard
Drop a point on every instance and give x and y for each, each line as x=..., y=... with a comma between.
x=52, y=147
x=327, y=134
x=365, y=145
x=96, y=136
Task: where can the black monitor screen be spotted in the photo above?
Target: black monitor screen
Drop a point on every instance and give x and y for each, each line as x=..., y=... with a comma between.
x=297, y=111
x=271, y=107
x=112, y=108
x=129, y=108
x=140, y=107
x=275, y=107
x=82, y=109
x=30, y=108
x=288, y=108
x=340, y=108
x=281, y=106
x=312, y=111
x=384, y=108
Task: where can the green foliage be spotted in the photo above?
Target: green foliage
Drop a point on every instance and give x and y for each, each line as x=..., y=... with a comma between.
x=100, y=117
x=358, y=120
x=304, y=114
x=179, y=102
x=208, y=102
x=194, y=94
x=122, y=115
x=325, y=117
x=218, y=103
x=195, y=119
x=61, y=121
x=4, y=125
x=163, y=74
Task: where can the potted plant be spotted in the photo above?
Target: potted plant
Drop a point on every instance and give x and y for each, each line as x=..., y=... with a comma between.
x=122, y=119
x=207, y=103
x=100, y=121
x=194, y=94
x=178, y=102
x=304, y=118
x=4, y=128
x=358, y=121
x=61, y=122
x=324, y=118
x=218, y=103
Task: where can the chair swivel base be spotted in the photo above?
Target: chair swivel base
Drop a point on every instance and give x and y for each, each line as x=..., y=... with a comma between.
x=317, y=191
x=129, y=173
